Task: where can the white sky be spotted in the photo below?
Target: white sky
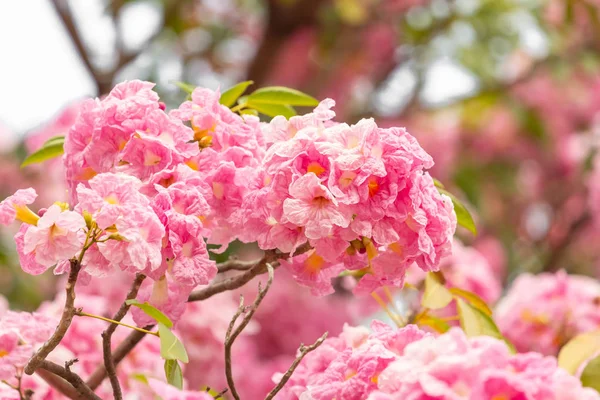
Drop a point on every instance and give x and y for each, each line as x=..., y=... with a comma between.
x=40, y=71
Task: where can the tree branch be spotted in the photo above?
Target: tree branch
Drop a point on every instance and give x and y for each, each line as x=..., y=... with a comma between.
x=258, y=267
x=75, y=380
x=58, y=383
x=235, y=282
x=63, y=325
x=107, y=336
x=232, y=333
x=304, y=350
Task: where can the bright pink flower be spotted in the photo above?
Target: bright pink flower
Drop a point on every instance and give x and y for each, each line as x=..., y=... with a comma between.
x=165, y=294
x=313, y=207
x=409, y=364
x=109, y=196
x=141, y=249
x=191, y=265
x=16, y=205
x=542, y=312
x=166, y=391
x=311, y=270
x=57, y=236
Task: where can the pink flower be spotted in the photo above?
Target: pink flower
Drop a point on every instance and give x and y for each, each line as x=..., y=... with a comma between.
x=15, y=207
x=166, y=391
x=191, y=265
x=313, y=207
x=57, y=236
x=311, y=270
x=542, y=312
x=141, y=249
x=409, y=364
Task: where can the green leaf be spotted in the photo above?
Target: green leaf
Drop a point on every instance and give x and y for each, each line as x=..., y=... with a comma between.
x=476, y=323
x=433, y=322
x=174, y=374
x=282, y=96
x=578, y=350
x=248, y=111
x=229, y=96
x=463, y=216
x=171, y=347
x=152, y=312
x=139, y=377
x=186, y=87
x=473, y=300
x=436, y=295
x=438, y=184
x=53, y=147
x=590, y=377
x=272, y=110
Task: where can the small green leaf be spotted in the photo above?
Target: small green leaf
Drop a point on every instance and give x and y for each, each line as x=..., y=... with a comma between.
x=53, y=147
x=282, y=96
x=171, y=347
x=476, y=323
x=438, y=184
x=152, y=312
x=590, y=377
x=186, y=87
x=272, y=110
x=473, y=300
x=248, y=111
x=573, y=354
x=174, y=374
x=140, y=377
x=436, y=295
x=229, y=96
x=463, y=216
x=433, y=322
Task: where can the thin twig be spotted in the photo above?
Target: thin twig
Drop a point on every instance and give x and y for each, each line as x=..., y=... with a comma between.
x=75, y=380
x=63, y=325
x=304, y=350
x=58, y=383
x=118, y=355
x=258, y=267
x=235, y=265
x=107, y=336
x=80, y=313
x=232, y=333
x=235, y=282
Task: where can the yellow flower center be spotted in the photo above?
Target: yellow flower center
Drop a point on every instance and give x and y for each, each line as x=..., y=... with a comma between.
x=314, y=263
x=24, y=214
x=315, y=168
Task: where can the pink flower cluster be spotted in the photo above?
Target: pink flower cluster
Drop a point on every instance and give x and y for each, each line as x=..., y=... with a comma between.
x=147, y=191
x=543, y=312
x=466, y=269
x=359, y=194
x=403, y=364
x=20, y=334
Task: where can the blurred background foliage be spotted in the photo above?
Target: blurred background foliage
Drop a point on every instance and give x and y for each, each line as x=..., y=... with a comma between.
x=503, y=93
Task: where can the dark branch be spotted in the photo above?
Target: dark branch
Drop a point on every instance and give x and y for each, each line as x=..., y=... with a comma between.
x=304, y=350
x=259, y=267
x=75, y=380
x=107, y=336
x=232, y=333
x=63, y=325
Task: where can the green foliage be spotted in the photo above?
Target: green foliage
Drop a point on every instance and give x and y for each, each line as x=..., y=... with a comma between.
x=279, y=95
x=463, y=216
x=474, y=300
x=590, y=377
x=173, y=374
x=578, y=350
x=51, y=149
x=171, y=347
x=436, y=295
x=434, y=323
x=152, y=312
x=477, y=323
x=272, y=110
x=229, y=97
